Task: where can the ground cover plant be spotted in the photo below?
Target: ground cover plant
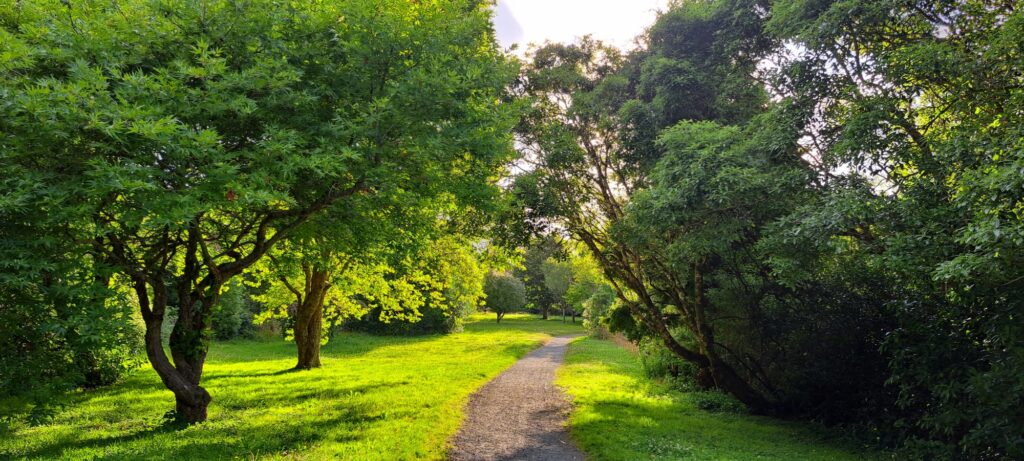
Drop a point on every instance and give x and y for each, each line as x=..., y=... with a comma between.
x=375, y=397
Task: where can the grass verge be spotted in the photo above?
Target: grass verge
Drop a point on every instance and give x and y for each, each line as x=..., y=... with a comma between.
x=619, y=414
x=375, y=398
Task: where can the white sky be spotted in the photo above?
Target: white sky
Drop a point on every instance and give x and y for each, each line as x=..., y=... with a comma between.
x=616, y=22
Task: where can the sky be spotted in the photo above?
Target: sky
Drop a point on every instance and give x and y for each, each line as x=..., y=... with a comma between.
x=616, y=22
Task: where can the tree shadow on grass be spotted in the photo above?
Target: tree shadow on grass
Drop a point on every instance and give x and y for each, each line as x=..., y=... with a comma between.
x=214, y=441
x=668, y=428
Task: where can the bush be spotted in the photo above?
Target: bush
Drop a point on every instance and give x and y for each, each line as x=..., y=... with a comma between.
x=432, y=320
x=716, y=402
x=75, y=340
x=659, y=363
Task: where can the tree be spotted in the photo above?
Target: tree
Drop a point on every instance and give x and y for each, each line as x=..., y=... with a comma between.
x=672, y=167
x=230, y=312
x=369, y=230
x=919, y=142
x=588, y=295
x=558, y=277
x=532, y=274
x=504, y=294
x=449, y=277
x=593, y=142
x=181, y=160
x=302, y=279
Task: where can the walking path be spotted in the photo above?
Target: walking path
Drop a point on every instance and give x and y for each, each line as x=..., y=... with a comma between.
x=520, y=415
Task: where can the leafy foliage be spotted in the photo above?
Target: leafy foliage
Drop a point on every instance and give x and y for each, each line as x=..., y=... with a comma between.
x=504, y=293
x=531, y=272
x=231, y=316
x=448, y=280
x=181, y=159
x=846, y=249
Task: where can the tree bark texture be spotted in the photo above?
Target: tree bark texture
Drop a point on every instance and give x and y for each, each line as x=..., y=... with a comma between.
x=309, y=318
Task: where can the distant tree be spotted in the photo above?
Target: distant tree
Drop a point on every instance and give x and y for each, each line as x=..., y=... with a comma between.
x=504, y=293
x=531, y=272
x=230, y=312
x=558, y=279
x=589, y=295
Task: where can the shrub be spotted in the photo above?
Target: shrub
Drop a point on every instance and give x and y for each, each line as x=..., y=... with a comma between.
x=505, y=293
x=716, y=402
x=659, y=363
x=62, y=343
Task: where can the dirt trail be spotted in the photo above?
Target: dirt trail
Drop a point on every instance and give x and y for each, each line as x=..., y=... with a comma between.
x=520, y=415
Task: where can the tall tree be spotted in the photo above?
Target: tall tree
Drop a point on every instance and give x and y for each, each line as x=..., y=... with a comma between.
x=592, y=137
x=181, y=159
x=558, y=277
x=538, y=250
x=918, y=131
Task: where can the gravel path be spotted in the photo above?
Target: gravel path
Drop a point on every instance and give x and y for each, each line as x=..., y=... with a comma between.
x=520, y=415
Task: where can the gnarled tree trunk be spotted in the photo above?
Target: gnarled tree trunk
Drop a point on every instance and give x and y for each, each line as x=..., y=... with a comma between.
x=309, y=317
x=189, y=343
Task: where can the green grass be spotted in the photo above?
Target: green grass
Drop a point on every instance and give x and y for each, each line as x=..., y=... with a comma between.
x=374, y=398
x=621, y=415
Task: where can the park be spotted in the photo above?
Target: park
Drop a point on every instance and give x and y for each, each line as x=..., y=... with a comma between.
x=512, y=230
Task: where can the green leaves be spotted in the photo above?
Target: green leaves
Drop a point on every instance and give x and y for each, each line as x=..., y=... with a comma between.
x=178, y=143
x=505, y=293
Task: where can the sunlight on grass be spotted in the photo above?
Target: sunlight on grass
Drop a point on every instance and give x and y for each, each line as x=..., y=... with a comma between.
x=374, y=398
x=620, y=415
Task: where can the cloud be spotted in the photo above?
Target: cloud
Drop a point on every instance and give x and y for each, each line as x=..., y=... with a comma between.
x=616, y=22
x=508, y=28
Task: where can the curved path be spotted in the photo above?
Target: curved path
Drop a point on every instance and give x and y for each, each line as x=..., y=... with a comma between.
x=520, y=415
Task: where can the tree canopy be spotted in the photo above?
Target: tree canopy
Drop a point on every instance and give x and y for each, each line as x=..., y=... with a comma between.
x=178, y=144
x=815, y=204
x=504, y=293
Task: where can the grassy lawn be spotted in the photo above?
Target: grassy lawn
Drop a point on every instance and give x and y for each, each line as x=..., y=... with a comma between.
x=374, y=398
x=620, y=415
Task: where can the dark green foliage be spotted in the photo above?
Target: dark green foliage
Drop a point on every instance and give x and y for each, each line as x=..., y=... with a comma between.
x=538, y=298
x=659, y=363
x=64, y=323
x=849, y=250
x=433, y=320
x=716, y=402
x=232, y=317
x=53, y=350
x=922, y=115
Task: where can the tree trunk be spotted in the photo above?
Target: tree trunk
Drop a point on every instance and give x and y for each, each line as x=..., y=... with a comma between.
x=544, y=311
x=309, y=319
x=724, y=375
x=189, y=344
x=192, y=408
x=500, y=315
